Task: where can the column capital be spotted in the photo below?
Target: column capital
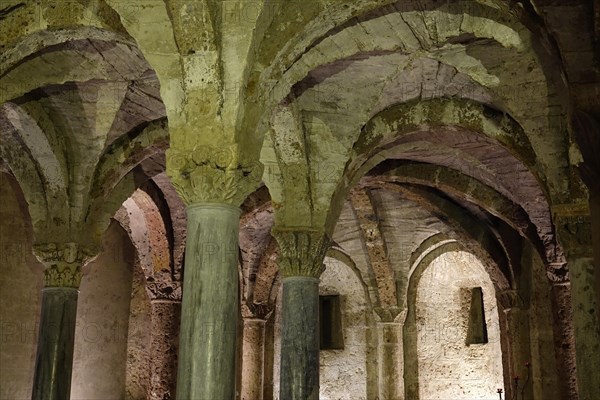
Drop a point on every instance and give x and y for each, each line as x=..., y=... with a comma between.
x=63, y=262
x=301, y=251
x=558, y=272
x=256, y=310
x=164, y=291
x=211, y=174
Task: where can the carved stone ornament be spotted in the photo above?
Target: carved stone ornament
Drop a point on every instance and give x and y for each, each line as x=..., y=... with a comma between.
x=170, y=291
x=63, y=262
x=301, y=251
x=558, y=272
x=210, y=174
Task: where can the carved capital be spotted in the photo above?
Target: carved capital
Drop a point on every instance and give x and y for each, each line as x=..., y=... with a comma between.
x=574, y=232
x=164, y=291
x=63, y=262
x=210, y=174
x=256, y=310
x=301, y=251
x=557, y=272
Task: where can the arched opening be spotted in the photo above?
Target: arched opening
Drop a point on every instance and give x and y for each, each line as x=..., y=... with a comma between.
x=450, y=364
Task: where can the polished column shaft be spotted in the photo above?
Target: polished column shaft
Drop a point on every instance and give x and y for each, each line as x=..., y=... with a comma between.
x=54, y=360
x=299, y=379
x=207, y=341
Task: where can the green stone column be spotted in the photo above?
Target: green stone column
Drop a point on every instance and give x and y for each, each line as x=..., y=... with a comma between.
x=209, y=309
x=54, y=359
x=213, y=182
x=56, y=337
x=300, y=339
x=301, y=255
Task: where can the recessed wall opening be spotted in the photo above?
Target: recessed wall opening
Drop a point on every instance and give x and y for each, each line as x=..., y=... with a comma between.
x=477, y=331
x=330, y=323
x=455, y=310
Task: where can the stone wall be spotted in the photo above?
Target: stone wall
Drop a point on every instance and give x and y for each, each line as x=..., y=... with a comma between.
x=138, y=339
x=448, y=367
x=344, y=371
x=103, y=321
x=20, y=295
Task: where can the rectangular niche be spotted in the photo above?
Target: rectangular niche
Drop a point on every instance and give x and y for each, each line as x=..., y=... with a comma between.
x=330, y=323
x=477, y=330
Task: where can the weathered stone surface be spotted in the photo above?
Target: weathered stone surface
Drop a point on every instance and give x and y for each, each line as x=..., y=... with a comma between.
x=63, y=263
x=300, y=338
x=253, y=348
x=587, y=326
x=207, y=341
x=485, y=88
x=164, y=345
x=54, y=360
x=301, y=251
x=212, y=174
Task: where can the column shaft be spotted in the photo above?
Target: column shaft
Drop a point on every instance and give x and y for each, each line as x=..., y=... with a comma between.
x=587, y=328
x=164, y=340
x=253, y=350
x=207, y=341
x=390, y=366
x=520, y=352
x=411, y=358
x=566, y=363
x=299, y=378
x=54, y=359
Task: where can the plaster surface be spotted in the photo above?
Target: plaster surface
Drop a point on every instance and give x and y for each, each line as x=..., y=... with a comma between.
x=448, y=368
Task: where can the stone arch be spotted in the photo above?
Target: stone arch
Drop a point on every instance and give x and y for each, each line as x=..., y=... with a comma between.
x=89, y=53
x=480, y=194
x=339, y=254
x=411, y=380
x=396, y=124
x=477, y=238
x=28, y=173
x=434, y=248
x=401, y=120
x=393, y=24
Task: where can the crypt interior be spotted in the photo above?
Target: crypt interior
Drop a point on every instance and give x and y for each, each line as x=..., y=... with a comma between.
x=322, y=199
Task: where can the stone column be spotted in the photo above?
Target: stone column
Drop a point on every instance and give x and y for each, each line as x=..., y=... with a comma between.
x=301, y=255
x=390, y=361
x=410, y=334
x=253, y=356
x=587, y=328
x=165, y=312
x=520, y=353
x=206, y=367
x=574, y=229
x=564, y=339
x=56, y=338
x=213, y=183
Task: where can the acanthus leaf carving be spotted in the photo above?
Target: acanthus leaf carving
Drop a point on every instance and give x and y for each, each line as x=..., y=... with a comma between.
x=63, y=262
x=164, y=291
x=209, y=174
x=301, y=251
